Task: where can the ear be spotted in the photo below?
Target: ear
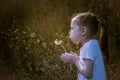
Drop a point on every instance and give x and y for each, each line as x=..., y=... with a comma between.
x=84, y=31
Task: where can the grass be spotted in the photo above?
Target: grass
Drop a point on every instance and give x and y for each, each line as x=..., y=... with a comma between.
x=29, y=29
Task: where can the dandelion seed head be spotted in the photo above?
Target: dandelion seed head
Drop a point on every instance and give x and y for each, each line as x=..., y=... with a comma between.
x=57, y=42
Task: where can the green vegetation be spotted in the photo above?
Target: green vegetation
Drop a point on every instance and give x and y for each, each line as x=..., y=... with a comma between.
x=28, y=30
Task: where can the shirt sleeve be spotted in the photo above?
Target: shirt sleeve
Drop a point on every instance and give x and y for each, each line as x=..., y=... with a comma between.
x=89, y=52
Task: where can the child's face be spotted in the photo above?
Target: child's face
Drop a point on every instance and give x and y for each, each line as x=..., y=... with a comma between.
x=75, y=33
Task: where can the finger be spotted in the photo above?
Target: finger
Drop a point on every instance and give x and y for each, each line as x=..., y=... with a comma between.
x=71, y=52
x=61, y=57
x=66, y=53
x=62, y=54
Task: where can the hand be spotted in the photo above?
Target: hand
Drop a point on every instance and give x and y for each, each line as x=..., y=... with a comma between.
x=65, y=57
x=69, y=57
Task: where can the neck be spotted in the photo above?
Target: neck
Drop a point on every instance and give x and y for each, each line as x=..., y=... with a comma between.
x=86, y=40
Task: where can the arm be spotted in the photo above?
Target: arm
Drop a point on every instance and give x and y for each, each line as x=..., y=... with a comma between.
x=86, y=70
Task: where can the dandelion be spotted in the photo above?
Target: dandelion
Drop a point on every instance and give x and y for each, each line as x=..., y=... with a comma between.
x=58, y=42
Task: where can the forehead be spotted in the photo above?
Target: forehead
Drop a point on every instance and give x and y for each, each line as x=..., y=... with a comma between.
x=74, y=23
x=74, y=26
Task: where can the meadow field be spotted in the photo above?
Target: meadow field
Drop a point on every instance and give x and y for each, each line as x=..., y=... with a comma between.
x=28, y=29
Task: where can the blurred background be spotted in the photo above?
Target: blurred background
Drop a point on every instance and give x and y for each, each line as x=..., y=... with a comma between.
x=28, y=29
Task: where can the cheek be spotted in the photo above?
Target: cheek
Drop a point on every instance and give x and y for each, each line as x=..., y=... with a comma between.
x=74, y=35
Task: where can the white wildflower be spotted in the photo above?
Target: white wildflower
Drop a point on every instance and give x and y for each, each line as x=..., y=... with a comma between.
x=58, y=42
x=24, y=32
x=32, y=35
x=44, y=44
x=38, y=40
x=16, y=30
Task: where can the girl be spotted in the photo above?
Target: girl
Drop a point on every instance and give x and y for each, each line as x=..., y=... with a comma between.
x=84, y=28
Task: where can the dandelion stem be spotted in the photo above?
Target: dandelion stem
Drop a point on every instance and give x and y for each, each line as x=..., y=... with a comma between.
x=63, y=48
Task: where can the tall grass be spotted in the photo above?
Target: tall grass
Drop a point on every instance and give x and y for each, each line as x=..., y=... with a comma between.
x=29, y=28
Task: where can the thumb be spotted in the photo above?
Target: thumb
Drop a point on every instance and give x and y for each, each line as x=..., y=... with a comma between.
x=72, y=52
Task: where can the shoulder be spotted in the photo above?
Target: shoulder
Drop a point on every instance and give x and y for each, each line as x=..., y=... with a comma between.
x=91, y=44
x=90, y=49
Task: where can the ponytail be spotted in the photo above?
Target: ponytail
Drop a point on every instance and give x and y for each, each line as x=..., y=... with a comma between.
x=103, y=38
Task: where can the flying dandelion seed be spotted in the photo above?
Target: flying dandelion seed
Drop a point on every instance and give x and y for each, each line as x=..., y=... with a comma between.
x=59, y=42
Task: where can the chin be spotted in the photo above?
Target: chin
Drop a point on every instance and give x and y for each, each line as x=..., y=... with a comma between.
x=76, y=42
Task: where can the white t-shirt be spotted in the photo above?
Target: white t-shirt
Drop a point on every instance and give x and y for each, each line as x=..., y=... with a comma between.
x=91, y=50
